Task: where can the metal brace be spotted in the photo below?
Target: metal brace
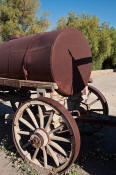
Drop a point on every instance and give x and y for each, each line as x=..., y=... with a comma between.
x=41, y=92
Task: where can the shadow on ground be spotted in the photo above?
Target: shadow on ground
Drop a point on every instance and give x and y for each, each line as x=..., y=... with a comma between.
x=98, y=152
x=6, y=127
x=6, y=114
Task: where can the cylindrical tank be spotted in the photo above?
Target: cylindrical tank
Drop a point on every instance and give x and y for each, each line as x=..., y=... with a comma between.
x=61, y=56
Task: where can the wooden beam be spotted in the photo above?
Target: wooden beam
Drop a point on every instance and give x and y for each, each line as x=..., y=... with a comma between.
x=27, y=83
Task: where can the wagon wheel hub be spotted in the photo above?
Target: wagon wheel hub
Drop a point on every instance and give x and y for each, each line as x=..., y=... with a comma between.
x=40, y=138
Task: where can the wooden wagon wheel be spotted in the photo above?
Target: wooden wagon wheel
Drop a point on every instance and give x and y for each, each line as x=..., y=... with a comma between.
x=46, y=134
x=94, y=102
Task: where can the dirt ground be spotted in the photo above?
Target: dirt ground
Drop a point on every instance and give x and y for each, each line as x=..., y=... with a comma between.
x=99, y=150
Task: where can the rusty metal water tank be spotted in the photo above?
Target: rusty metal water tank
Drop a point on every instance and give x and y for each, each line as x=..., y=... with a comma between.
x=61, y=56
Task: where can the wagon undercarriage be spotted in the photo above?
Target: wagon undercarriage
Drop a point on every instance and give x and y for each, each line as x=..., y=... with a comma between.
x=44, y=132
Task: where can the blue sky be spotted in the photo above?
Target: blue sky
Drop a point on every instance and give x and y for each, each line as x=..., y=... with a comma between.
x=105, y=10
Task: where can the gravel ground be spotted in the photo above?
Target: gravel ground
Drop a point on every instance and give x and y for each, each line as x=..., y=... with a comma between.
x=104, y=142
x=6, y=167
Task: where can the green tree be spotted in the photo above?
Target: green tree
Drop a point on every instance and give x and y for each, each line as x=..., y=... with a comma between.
x=113, y=48
x=100, y=37
x=19, y=17
x=110, y=62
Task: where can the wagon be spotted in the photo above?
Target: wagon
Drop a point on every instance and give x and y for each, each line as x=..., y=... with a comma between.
x=57, y=65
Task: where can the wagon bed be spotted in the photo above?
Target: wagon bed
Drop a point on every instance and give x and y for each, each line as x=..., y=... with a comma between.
x=15, y=83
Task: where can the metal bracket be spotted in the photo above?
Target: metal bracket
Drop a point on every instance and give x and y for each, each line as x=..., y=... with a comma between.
x=41, y=92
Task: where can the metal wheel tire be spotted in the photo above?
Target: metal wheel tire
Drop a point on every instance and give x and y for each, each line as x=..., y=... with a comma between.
x=95, y=102
x=46, y=134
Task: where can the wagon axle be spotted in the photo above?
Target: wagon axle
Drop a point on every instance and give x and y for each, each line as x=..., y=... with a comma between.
x=40, y=138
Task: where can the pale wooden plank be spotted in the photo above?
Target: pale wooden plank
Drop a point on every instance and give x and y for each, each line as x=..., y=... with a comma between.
x=27, y=83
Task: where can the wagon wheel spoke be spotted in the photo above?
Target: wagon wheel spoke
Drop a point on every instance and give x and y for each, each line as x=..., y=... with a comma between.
x=25, y=122
x=41, y=117
x=93, y=102
x=35, y=153
x=45, y=157
x=56, y=129
x=49, y=120
x=32, y=117
x=57, y=138
x=23, y=132
x=58, y=147
x=53, y=155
